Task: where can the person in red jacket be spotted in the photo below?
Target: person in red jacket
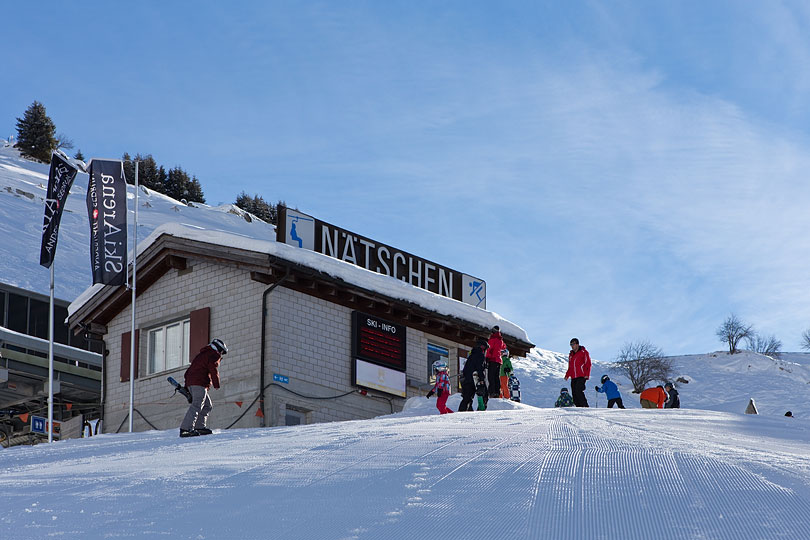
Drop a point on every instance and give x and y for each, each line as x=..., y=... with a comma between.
x=200, y=375
x=579, y=370
x=493, y=356
x=652, y=398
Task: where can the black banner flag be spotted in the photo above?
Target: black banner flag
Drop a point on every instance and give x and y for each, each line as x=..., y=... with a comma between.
x=59, y=181
x=107, y=210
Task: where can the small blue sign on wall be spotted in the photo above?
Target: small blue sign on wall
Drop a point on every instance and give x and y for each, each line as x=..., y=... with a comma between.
x=281, y=378
x=38, y=424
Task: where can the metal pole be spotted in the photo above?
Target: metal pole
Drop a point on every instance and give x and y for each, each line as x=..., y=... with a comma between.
x=50, y=362
x=132, y=329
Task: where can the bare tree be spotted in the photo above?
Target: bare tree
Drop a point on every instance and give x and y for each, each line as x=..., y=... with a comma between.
x=769, y=346
x=642, y=362
x=806, y=340
x=63, y=142
x=732, y=331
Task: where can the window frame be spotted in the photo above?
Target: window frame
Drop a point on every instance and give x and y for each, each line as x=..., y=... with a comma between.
x=152, y=367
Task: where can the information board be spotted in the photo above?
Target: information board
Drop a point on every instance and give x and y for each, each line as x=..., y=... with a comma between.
x=378, y=341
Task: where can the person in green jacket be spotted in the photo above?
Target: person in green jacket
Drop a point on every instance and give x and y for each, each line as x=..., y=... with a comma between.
x=506, y=372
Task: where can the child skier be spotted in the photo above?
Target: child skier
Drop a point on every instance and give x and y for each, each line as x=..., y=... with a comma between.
x=506, y=372
x=442, y=386
x=565, y=399
x=609, y=388
x=673, y=401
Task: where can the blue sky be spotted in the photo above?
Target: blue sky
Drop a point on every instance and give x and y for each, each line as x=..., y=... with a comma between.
x=615, y=171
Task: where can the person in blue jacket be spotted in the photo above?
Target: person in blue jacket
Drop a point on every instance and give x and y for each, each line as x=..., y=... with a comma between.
x=609, y=388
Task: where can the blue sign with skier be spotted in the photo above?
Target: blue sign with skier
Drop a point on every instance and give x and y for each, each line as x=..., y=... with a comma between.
x=475, y=291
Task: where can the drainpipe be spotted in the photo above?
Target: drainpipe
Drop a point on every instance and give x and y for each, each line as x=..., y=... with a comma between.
x=264, y=331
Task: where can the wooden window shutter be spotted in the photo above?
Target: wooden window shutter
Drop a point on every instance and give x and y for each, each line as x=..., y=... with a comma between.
x=125, y=346
x=198, y=334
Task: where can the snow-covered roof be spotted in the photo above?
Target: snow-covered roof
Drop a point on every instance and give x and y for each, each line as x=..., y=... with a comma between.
x=349, y=273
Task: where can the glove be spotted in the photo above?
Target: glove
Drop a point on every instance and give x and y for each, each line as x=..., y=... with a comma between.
x=439, y=392
x=596, y=388
x=429, y=394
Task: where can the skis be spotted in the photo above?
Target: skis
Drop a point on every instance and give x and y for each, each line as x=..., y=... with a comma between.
x=178, y=388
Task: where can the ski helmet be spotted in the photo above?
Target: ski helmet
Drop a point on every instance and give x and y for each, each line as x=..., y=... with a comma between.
x=604, y=378
x=439, y=365
x=668, y=385
x=563, y=390
x=219, y=346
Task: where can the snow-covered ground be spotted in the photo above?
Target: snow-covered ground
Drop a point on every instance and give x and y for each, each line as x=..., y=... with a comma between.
x=511, y=472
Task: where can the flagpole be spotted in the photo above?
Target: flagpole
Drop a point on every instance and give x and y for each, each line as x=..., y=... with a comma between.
x=50, y=363
x=132, y=330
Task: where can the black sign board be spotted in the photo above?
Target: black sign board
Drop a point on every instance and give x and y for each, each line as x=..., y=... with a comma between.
x=378, y=341
x=303, y=231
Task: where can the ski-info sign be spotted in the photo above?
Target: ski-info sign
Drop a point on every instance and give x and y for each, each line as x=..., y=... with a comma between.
x=379, y=351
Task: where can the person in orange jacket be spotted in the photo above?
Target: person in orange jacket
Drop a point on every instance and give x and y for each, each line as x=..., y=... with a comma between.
x=652, y=398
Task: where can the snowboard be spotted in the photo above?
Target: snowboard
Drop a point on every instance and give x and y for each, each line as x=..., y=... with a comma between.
x=179, y=388
x=514, y=388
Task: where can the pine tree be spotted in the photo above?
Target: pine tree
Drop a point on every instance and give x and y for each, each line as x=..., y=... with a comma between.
x=36, y=133
x=79, y=155
x=260, y=208
x=194, y=192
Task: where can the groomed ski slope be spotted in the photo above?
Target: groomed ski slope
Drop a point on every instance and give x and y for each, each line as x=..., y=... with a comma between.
x=515, y=473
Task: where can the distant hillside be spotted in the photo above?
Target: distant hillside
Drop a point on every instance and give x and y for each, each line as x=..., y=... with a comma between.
x=716, y=381
x=23, y=186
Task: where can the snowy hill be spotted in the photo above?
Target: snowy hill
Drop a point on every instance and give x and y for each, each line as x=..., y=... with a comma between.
x=716, y=381
x=514, y=473
x=23, y=186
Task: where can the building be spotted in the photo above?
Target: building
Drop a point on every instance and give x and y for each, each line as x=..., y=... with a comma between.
x=312, y=337
x=24, y=368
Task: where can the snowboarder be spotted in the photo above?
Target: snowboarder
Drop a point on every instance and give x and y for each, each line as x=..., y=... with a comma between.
x=474, y=365
x=506, y=372
x=674, y=402
x=201, y=374
x=564, y=399
x=579, y=371
x=653, y=397
x=494, y=362
x=610, y=389
x=442, y=386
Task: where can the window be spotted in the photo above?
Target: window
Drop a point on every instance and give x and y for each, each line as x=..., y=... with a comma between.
x=18, y=313
x=38, y=318
x=168, y=346
x=294, y=416
x=434, y=353
x=2, y=308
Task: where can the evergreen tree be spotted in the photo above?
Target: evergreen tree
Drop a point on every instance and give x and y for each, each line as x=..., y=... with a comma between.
x=148, y=172
x=35, y=133
x=194, y=192
x=260, y=208
x=79, y=155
